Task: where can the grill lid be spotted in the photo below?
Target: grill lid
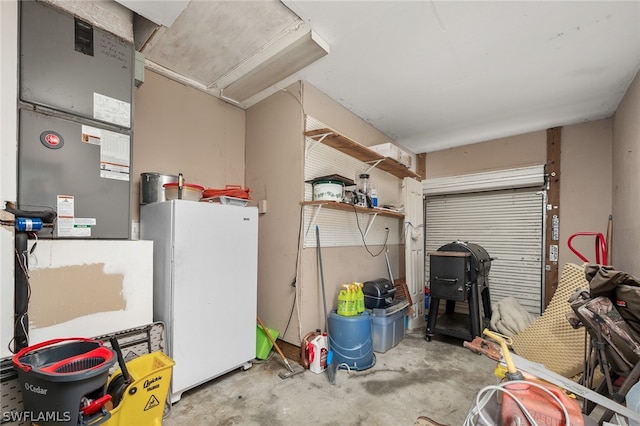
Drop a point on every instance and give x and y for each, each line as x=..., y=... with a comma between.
x=480, y=262
x=378, y=293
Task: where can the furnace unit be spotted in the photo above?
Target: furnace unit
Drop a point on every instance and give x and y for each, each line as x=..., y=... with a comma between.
x=75, y=130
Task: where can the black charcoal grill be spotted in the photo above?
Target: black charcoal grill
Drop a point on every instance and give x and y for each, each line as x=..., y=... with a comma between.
x=378, y=294
x=459, y=271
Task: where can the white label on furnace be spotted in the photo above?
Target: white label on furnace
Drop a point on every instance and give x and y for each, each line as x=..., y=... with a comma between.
x=66, y=207
x=84, y=221
x=114, y=155
x=66, y=211
x=91, y=135
x=111, y=110
x=84, y=231
x=553, y=253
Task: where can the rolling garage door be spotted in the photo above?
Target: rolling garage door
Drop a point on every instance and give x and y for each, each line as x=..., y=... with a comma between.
x=508, y=223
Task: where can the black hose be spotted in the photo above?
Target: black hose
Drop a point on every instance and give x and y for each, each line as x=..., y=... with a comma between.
x=47, y=216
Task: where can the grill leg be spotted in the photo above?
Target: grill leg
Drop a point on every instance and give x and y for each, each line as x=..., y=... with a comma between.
x=474, y=311
x=431, y=323
x=486, y=303
x=450, y=307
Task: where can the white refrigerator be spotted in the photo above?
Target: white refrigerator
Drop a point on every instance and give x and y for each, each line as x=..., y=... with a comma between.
x=205, y=267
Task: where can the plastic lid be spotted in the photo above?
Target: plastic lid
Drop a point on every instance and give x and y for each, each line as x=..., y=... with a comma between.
x=185, y=185
x=364, y=175
x=333, y=182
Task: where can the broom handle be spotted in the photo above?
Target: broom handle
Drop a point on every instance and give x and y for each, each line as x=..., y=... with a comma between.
x=324, y=296
x=123, y=365
x=608, y=241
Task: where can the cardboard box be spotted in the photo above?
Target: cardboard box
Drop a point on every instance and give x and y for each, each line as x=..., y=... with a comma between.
x=393, y=151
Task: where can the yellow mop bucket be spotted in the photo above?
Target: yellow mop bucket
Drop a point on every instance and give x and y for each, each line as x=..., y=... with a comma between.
x=142, y=401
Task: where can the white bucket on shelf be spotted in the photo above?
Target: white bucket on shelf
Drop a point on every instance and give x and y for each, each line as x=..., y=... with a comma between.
x=328, y=190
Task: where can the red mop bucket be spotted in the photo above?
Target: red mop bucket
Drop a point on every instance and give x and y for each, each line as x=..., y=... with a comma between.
x=63, y=381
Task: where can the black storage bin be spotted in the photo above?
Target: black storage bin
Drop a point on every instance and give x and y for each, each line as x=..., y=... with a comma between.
x=378, y=293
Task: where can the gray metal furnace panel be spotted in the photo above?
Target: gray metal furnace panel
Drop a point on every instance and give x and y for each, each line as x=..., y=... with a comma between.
x=73, y=169
x=63, y=63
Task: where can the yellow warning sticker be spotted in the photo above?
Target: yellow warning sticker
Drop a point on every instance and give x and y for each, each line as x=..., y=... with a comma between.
x=153, y=402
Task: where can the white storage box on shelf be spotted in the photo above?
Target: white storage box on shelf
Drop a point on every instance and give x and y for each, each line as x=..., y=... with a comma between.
x=395, y=152
x=328, y=190
x=388, y=326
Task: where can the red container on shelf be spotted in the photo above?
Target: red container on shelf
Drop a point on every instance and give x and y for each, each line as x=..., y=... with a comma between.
x=235, y=191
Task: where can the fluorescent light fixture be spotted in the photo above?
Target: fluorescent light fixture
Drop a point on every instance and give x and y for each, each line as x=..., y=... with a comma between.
x=274, y=63
x=159, y=12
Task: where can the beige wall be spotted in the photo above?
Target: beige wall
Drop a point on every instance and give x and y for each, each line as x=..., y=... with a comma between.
x=626, y=181
x=275, y=168
x=342, y=264
x=506, y=153
x=585, y=186
x=339, y=118
x=179, y=129
x=585, y=194
x=586, y=174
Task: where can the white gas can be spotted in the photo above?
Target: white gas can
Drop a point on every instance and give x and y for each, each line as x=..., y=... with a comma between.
x=318, y=354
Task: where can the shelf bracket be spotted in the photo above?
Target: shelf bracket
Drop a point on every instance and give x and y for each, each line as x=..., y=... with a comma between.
x=313, y=221
x=372, y=218
x=374, y=164
x=315, y=143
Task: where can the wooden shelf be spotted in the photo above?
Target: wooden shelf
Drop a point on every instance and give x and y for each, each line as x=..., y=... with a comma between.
x=396, y=168
x=350, y=147
x=350, y=207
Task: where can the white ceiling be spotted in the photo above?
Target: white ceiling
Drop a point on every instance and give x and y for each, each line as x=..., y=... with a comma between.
x=429, y=74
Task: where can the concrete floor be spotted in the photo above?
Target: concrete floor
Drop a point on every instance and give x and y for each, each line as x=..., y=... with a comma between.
x=438, y=379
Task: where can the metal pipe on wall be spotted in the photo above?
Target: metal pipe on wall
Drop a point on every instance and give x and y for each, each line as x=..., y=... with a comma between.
x=21, y=295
